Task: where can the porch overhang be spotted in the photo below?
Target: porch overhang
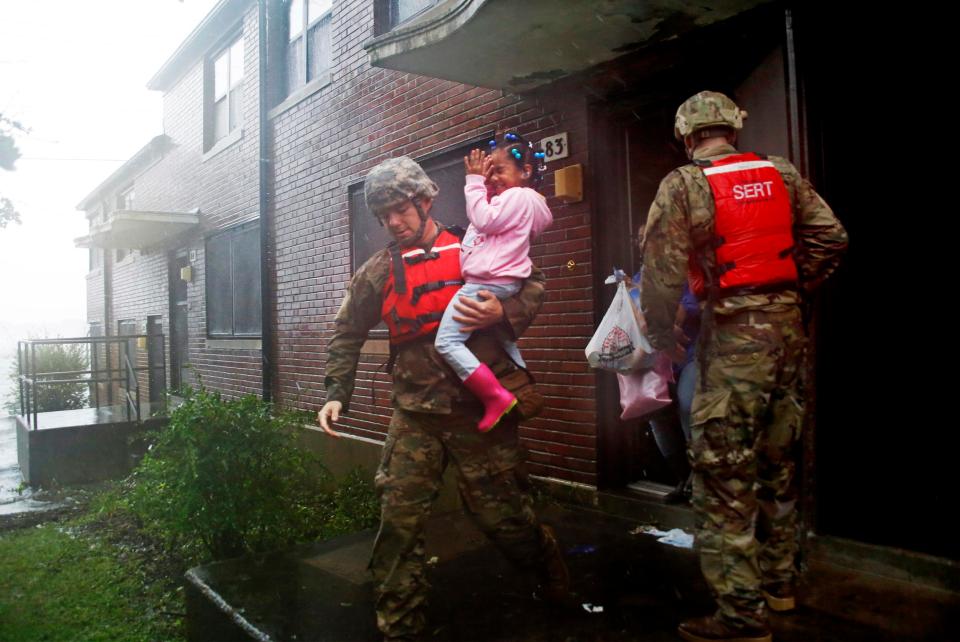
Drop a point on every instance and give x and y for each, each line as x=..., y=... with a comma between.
x=139, y=230
x=519, y=46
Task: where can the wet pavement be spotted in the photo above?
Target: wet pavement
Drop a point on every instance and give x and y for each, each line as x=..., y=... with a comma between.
x=16, y=498
x=629, y=586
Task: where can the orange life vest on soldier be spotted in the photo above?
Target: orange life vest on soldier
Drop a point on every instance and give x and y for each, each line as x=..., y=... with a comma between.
x=753, y=227
x=420, y=285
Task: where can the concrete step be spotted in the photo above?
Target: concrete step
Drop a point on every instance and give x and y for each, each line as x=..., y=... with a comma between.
x=322, y=592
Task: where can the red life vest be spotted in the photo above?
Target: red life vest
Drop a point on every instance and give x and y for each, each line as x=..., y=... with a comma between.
x=753, y=228
x=420, y=285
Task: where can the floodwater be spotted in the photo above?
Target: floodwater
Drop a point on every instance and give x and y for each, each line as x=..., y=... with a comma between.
x=14, y=497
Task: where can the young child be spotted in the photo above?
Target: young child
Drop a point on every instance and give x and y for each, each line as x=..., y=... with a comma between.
x=494, y=255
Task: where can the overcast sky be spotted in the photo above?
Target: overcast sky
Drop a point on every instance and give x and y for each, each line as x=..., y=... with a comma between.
x=75, y=73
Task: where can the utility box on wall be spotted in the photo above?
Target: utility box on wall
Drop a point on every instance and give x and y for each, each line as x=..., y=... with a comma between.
x=568, y=183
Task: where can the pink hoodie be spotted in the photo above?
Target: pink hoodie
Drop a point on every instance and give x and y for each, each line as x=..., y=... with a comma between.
x=496, y=246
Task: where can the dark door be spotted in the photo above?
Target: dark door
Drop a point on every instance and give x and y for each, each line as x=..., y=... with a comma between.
x=179, y=356
x=156, y=360
x=635, y=151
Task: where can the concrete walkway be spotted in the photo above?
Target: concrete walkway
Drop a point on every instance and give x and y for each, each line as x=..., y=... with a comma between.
x=630, y=587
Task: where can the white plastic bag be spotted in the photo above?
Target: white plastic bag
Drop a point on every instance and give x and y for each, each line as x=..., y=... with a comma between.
x=618, y=344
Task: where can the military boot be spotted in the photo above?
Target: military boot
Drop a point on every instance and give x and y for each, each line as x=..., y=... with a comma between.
x=780, y=597
x=554, y=575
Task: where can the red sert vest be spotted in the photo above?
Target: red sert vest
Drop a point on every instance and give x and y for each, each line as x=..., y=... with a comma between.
x=420, y=285
x=753, y=228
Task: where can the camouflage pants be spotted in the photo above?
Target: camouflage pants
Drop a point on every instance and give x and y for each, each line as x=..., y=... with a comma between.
x=746, y=426
x=493, y=487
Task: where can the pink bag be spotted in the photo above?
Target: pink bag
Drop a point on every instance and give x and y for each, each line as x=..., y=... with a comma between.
x=643, y=392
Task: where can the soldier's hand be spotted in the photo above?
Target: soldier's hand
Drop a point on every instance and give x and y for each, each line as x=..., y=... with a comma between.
x=476, y=315
x=329, y=414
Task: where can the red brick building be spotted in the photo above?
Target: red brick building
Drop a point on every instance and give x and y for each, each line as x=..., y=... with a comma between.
x=238, y=229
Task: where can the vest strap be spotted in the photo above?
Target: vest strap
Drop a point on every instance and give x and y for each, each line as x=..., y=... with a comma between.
x=431, y=286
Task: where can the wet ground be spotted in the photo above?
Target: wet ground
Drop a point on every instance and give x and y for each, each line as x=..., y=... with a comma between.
x=19, y=504
x=629, y=586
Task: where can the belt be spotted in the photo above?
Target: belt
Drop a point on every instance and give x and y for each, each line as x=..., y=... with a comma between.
x=757, y=317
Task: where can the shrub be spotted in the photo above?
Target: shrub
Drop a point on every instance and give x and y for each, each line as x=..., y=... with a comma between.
x=57, y=357
x=227, y=477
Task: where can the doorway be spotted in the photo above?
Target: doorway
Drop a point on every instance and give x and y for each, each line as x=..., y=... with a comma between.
x=179, y=355
x=634, y=149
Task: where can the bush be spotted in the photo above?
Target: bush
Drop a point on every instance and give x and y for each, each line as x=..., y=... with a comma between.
x=226, y=478
x=352, y=506
x=57, y=357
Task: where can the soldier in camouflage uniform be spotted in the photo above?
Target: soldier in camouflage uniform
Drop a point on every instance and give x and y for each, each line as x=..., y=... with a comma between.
x=748, y=408
x=435, y=418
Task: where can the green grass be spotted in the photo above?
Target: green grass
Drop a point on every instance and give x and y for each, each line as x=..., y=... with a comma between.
x=62, y=583
x=102, y=576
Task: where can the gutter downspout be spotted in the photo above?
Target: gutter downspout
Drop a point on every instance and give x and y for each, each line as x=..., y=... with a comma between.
x=266, y=280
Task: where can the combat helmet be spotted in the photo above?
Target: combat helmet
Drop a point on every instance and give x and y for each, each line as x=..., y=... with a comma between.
x=704, y=110
x=394, y=181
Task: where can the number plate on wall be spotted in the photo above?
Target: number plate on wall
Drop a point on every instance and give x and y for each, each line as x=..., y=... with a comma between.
x=555, y=147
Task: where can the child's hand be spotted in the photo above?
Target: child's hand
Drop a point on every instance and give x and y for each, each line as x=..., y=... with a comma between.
x=487, y=168
x=476, y=162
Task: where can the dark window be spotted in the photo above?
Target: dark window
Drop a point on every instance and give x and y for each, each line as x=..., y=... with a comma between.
x=450, y=206
x=225, y=84
x=390, y=13
x=233, y=282
x=121, y=254
x=308, y=49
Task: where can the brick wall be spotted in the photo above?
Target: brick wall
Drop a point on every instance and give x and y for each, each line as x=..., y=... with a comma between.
x=329, y=141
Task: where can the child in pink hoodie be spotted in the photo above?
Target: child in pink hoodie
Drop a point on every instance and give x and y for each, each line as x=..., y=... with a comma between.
x=494, y=255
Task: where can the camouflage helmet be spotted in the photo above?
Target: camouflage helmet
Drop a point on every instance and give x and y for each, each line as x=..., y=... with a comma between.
x=707, y=109
x=394, y=181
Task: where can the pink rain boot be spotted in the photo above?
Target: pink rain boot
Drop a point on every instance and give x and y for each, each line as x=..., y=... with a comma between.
x=497, y=400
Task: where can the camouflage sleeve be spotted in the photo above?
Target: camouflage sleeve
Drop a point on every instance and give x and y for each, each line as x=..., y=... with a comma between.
x=359, y=312
x=666, y=251
x=821, y=238
x=520, y=310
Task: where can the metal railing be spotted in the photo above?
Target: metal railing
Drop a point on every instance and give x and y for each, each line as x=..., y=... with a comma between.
x=109, y=361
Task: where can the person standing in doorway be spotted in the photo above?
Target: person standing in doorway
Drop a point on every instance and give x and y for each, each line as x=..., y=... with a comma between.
x=752, y=237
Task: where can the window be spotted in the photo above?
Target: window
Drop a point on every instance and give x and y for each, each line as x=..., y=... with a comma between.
x=125, y=199
x=96, y=258
x=126, y=327
x=233, y=282
x=308, y=49
x=390, y=13
x=225, y=92
x=450, y=206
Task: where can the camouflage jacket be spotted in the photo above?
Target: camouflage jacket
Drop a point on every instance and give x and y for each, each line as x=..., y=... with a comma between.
x=422, y=380
x=681, y=218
